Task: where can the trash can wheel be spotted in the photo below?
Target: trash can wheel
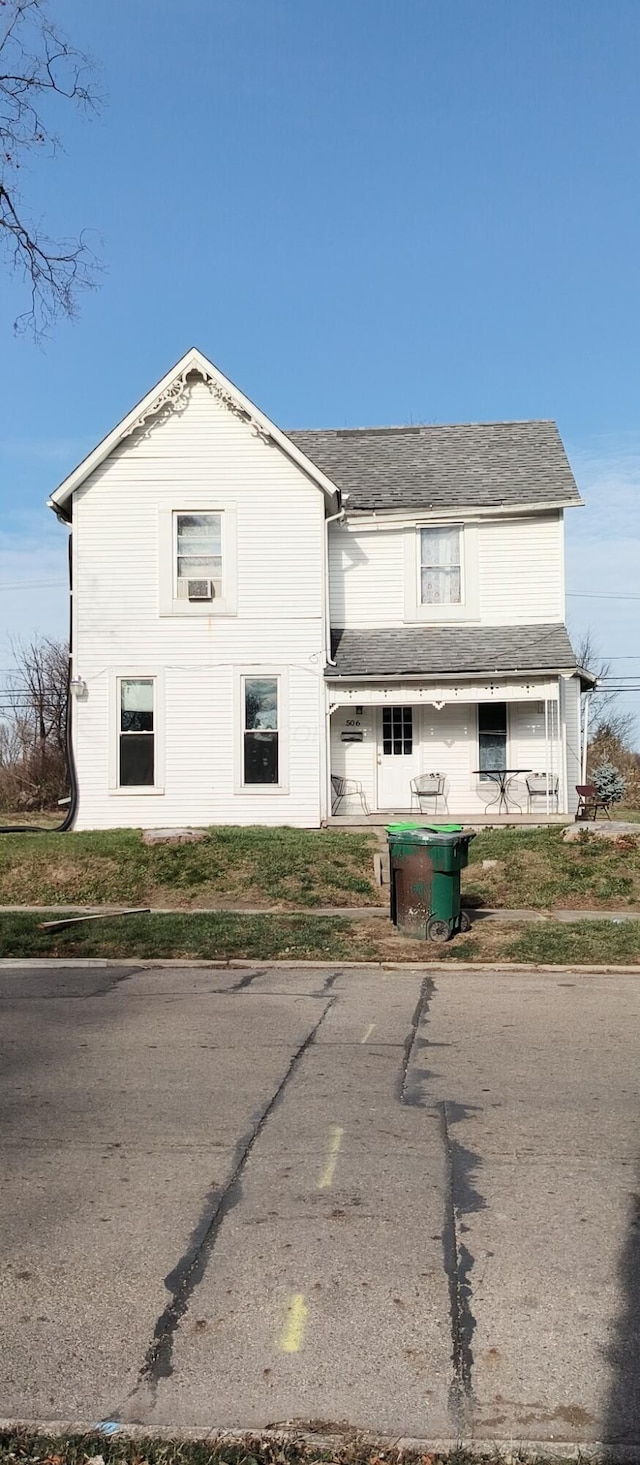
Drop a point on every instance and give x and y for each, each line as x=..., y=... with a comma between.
x=438, y=930
x=465, y=921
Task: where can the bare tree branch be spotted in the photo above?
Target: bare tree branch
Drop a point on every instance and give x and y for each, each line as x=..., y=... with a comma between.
x=39, y=68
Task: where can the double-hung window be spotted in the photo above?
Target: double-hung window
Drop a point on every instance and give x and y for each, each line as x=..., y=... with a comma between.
x=260, y=730
x=441, y=565
x=198, y=556
x=136, y=733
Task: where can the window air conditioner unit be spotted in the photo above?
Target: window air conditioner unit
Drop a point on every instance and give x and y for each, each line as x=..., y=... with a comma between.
x=200, y=589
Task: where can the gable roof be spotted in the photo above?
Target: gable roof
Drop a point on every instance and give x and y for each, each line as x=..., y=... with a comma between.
x=164, y=391
x=465, y=465
x=450, y=651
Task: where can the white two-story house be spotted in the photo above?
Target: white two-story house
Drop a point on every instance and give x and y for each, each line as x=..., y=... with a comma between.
x=273, y=628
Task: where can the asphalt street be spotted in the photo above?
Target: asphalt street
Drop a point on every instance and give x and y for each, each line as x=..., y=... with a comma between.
x=404, y=1202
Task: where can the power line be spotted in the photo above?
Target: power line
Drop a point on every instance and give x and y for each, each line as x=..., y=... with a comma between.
x=34, y=585
x=597, y=595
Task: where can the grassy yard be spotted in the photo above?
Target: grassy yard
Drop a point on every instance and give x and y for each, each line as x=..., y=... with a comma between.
x=317, y=938
x=18, y=1447
x=244, y=867
x=536, y=868
x=298, y=869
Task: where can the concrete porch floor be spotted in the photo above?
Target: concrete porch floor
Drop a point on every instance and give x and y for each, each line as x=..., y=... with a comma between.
x=359, y=820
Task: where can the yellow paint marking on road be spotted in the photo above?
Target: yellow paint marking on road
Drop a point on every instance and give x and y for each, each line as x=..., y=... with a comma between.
x=293, y=1332
x=368, y=1033
x=335, y=1141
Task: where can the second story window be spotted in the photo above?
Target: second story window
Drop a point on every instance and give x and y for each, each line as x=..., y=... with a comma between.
x=441, y=566
x=198, y=553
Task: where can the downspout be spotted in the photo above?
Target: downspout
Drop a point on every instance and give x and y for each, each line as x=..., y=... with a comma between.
x=332, y=519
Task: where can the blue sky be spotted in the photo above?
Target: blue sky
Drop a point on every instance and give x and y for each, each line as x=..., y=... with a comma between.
x=363, y=212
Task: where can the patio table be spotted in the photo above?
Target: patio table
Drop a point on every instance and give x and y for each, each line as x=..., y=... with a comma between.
x=503, y=778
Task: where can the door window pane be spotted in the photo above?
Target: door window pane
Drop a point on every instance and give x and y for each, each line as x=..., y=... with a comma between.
x=492, y=737
x=440, y=566
x=397, y=730
x=198, y=551
x=136, y=741
x=261, y=730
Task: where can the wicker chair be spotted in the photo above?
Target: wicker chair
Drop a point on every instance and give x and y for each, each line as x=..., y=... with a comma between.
x=537, y=784
x=346, y=788
x=428, y=786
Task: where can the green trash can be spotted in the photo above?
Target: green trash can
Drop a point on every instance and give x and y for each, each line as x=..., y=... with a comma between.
x=424, y=865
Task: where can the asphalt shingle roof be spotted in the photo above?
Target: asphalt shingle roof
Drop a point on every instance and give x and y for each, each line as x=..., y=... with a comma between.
x=437, y=650
x=466, y=465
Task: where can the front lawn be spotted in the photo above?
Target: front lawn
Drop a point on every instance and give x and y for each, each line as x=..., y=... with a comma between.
x=249, y=867
x=536, y=868
x=265, y=938
x=291, y=869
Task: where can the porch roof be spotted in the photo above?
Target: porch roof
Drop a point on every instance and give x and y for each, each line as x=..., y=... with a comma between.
x=437, y=651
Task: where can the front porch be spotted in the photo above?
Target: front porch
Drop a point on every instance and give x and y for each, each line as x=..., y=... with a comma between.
x=356, y=822
x=462, y=742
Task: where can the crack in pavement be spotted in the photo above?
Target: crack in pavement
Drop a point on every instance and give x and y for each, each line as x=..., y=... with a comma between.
x=404, y=1094
x=184, y=1278
x=458, y=1262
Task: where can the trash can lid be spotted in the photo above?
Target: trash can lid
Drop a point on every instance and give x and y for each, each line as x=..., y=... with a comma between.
x=428, y=833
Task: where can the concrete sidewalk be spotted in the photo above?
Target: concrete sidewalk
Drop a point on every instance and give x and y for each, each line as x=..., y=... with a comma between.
x=352, y=913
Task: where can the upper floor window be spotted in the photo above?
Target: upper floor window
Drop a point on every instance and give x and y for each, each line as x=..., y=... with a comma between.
x=441, y=566
x=198, y=556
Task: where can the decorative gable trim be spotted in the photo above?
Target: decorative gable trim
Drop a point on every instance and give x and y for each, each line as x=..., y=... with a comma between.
x=166, y=396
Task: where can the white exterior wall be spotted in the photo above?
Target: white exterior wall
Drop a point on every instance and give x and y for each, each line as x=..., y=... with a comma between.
x=197, y=456
x=518, y=571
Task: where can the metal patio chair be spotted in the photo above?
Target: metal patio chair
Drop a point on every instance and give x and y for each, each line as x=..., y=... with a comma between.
x=428, y=786
x=537, y=784
x=346, y=788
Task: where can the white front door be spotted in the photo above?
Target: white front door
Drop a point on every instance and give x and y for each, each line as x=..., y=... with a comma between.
x=398, y=756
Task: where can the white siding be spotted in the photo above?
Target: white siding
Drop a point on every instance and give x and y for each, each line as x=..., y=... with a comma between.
x=366, y=585
x=355, y=760
x=200, y=449
x=519, y=573
x=520, y=567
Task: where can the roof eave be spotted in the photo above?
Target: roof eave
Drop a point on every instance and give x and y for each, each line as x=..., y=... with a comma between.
x=402, y=511
x=333, y=675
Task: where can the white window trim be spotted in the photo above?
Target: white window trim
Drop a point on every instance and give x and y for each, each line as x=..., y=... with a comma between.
x=468, y=608
x=262, y=790
x=116, y=676
x=197, y=503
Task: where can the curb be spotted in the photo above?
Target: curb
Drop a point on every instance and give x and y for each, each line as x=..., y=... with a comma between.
x=240, y=963
x=318, y=1443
